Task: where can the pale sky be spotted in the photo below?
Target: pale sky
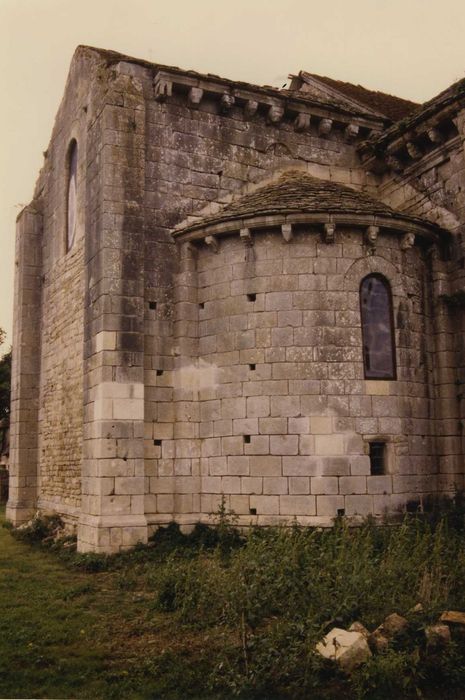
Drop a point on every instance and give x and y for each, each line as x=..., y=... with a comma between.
x=410, y=48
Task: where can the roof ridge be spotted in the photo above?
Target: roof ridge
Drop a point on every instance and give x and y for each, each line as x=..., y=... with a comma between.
x=390, y=106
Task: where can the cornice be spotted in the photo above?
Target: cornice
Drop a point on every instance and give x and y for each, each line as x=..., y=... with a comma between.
x=276, y=105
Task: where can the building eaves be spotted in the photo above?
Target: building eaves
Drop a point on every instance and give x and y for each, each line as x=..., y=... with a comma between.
x=451, y=97
x=298, y=193
x=113, y=57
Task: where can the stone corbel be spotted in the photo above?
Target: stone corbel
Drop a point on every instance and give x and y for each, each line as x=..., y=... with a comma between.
x=163, y=88
x=275, y=114
x=212, y=243
x=435, y=136
x=246, y=236
x=329, y=233
x=250, y=109
x=413, y=150
x=195, y=96
x=286, y=230
x=227, y=102
x=394, y=163
x=302, y=122
x=190, y=248
x=351, y=132
x=325, y=126
x=407, y=241
x=371, y=235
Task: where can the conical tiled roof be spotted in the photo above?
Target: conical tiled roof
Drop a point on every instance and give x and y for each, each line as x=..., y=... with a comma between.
x=298, y=192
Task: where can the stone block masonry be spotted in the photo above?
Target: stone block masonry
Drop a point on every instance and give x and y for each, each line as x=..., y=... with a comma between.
x=200, y=337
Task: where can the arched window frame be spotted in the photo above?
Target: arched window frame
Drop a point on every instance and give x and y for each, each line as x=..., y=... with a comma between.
x=368, y=373
x=71, y=182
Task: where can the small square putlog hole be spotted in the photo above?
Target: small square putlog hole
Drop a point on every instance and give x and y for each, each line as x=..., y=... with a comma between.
x=252, y=367
x=152, y=305
x=159, y=372
x=157, y=443
x=253, y=511
x=247, y=439
x=251, y=297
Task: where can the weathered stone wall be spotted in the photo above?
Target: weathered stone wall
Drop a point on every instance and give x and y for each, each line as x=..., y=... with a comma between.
x=53, y=313
x=159, y=384
x=62, y=318
x=113, y=483
x=276, y=413
x=196, y=157
x=431, y=188
x=25, y=374
x=61, y=410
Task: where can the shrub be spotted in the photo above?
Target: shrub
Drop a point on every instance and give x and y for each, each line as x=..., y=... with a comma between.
x=280, y=591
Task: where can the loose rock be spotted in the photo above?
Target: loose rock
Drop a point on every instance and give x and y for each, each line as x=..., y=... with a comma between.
x=392, y=626
x=358, y=627
x=453, y=617
x=437, y=636
x=348, y=649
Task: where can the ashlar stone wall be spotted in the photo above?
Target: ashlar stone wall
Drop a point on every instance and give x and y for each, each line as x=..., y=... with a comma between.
x=430, y=186
x=150, y=377
x=273, y=411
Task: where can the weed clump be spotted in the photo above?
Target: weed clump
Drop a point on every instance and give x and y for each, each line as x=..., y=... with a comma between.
x=39, y=529
x=285, y=587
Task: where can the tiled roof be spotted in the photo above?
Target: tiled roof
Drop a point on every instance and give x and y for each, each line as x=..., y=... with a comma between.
x=296, y=191
x=453, y=95
x=112, y=57
x=394, y=108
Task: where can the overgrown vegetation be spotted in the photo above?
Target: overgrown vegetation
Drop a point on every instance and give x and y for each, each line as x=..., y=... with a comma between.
x=216, y=614
x=5, y=389
x=5, y=380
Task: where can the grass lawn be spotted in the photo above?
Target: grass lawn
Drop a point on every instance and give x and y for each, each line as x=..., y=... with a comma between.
x=65, y=633
x=217, y=615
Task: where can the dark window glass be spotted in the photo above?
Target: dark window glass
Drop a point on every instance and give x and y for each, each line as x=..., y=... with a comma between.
x=72, y=193
x=377, y=450
x=377, y=328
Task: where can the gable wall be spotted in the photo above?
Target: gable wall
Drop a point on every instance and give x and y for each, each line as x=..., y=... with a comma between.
x=62, y=322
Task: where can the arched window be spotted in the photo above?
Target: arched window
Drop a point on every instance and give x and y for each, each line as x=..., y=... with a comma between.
x=379, y=354
x=71, y=195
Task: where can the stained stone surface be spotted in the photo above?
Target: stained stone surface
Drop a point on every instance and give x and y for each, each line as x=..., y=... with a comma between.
x=202, y=336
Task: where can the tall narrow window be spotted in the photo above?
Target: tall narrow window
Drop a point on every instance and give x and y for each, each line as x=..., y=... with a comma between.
x=377, y=458
x=377, y=328
x=71, y=195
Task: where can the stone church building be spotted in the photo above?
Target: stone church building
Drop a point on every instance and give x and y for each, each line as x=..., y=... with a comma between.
x=223, y=288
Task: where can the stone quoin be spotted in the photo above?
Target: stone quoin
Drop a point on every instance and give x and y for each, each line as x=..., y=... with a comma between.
x=226, y=290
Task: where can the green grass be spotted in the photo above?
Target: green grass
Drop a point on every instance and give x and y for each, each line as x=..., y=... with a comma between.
x=214, y=615
x=72, y=634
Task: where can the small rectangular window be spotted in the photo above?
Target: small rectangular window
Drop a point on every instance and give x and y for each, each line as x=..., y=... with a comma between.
x=377, y=458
